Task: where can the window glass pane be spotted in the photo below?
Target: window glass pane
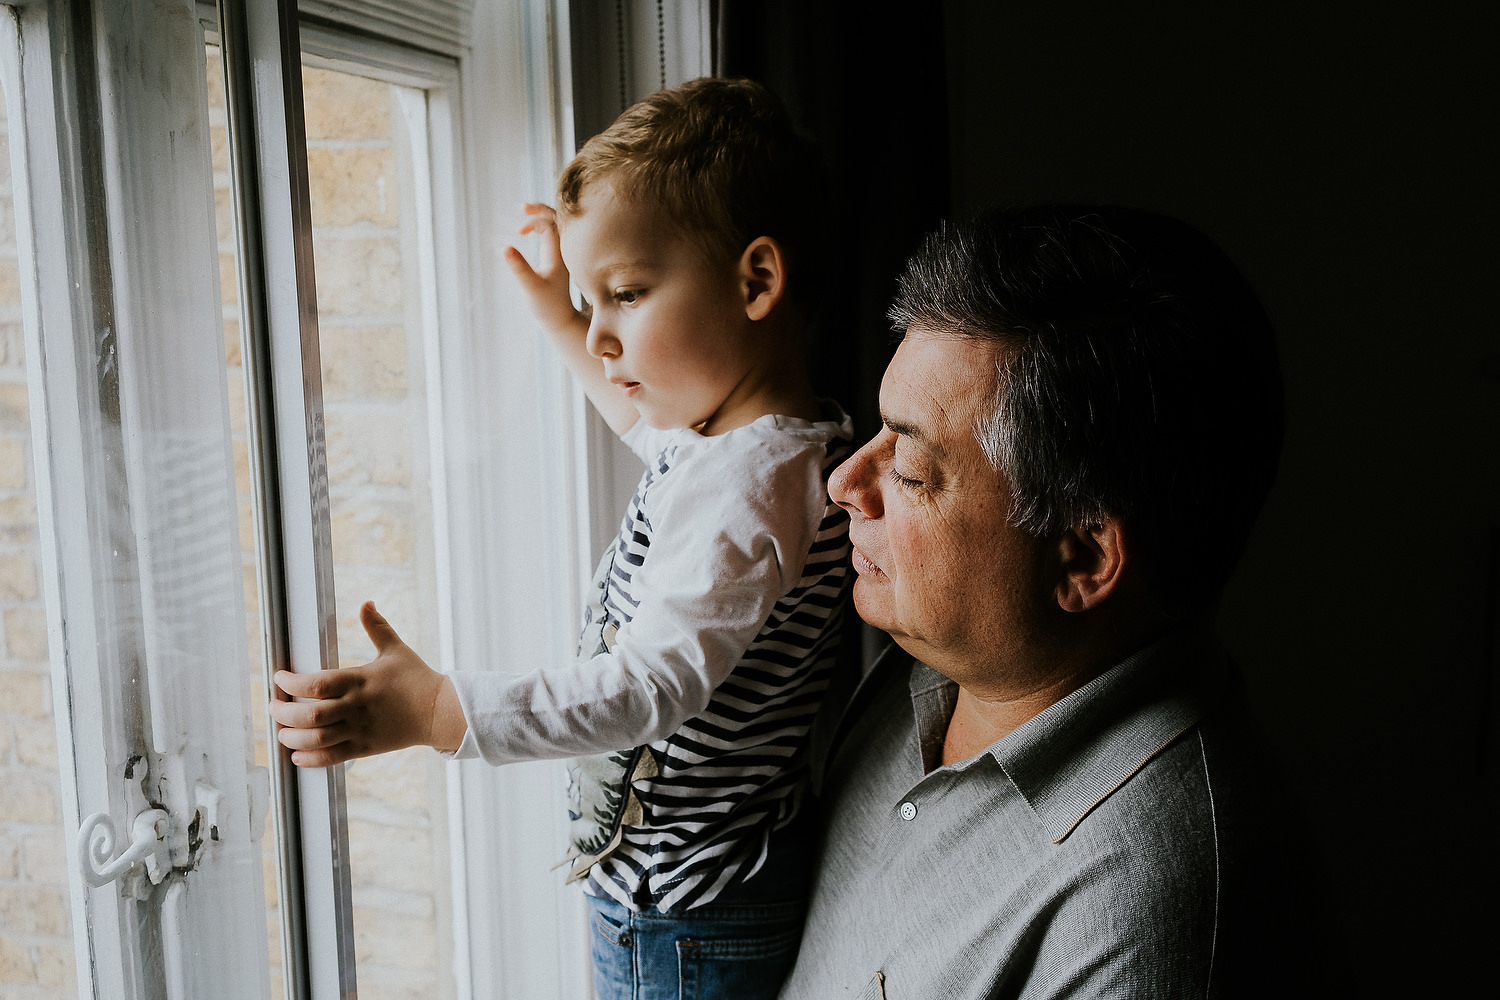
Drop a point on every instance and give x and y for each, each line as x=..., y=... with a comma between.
x=228, y=291
x=360, y=144
x=375, y=411
x=36, y=940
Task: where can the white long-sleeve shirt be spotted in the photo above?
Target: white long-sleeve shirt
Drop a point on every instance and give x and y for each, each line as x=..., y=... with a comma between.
x=717, y=618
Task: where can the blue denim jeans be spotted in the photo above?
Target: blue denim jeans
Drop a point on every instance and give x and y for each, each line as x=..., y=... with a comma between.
x=740, y=950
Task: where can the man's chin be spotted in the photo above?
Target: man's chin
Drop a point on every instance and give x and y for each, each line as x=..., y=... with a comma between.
x=870, y=606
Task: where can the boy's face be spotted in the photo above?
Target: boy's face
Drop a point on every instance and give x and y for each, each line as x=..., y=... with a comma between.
x=669, y=322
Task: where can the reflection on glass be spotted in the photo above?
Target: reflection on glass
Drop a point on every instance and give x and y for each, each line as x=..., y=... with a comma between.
x=36, y=937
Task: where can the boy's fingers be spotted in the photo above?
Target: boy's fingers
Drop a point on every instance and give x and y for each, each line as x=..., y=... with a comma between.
x=319, y=684
x=304, y=714
x=519, y=265
x=322, y=758
x=311, y=739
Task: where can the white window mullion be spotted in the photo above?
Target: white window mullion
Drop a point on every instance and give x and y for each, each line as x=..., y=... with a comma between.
x=262, y=65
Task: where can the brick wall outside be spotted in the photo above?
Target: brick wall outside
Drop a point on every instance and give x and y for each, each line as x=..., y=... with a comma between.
x=36, y=937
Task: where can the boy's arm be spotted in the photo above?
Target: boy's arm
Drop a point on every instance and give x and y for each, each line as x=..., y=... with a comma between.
x=394, y=701
x=546, y=286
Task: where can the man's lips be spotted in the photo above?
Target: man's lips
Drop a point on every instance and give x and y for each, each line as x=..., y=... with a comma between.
x=862, y=565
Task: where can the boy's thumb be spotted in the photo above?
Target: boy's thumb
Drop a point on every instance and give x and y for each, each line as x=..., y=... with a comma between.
x=376, y=627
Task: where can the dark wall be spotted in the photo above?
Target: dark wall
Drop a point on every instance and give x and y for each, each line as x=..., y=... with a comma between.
x=1344, y=158
x=870, y=89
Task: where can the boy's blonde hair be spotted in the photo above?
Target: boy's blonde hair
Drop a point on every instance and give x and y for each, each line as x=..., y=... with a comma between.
x=721, y=159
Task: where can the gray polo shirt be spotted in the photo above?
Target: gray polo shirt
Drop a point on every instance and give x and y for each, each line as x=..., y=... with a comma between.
x=1129, y=841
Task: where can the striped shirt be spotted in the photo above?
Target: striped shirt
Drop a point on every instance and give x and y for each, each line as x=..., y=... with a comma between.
x=729, y=575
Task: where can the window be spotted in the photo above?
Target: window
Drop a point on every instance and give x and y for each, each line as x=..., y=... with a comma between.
x=185, y=495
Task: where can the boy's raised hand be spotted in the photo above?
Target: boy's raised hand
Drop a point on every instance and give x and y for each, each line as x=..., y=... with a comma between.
x=394, y=701
x=546, y=284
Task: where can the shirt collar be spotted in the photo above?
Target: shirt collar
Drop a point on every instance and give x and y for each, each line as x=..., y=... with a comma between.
x=1072, y=756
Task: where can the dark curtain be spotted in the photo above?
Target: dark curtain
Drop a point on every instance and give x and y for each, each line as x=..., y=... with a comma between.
x=872, y=89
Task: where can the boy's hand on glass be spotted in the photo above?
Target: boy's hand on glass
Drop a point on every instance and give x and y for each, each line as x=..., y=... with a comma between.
x=546, y=284
x=394, y=701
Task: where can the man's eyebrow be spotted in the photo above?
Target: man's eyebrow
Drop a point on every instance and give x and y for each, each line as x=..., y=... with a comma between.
x=904, y=428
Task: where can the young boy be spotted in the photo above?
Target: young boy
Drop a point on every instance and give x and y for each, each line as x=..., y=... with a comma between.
x=686, y=227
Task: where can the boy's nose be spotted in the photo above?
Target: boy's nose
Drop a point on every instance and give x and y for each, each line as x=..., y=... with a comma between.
x=600, y=342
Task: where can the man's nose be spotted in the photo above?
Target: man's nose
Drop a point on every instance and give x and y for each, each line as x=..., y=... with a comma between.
x=854, y=485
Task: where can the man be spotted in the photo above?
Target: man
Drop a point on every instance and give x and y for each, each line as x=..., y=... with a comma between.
x=1049, y=789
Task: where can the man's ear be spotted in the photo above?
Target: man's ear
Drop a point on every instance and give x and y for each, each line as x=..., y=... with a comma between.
x=1093, y=563
x=762, y=275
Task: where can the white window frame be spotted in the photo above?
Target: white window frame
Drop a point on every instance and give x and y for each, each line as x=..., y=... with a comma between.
x=488, y=372
x=115, y=222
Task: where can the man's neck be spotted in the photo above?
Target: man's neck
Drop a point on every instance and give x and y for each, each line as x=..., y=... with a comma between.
x=981, y=718
x=976, y=723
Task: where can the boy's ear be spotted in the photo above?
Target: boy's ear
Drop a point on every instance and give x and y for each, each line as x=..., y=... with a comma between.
x=1093, y=561
x=762, y=275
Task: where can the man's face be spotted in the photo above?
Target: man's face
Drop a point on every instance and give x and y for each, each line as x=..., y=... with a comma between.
x=939, y=567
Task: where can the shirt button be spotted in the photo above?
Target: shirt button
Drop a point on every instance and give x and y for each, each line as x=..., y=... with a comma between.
x=908, y=811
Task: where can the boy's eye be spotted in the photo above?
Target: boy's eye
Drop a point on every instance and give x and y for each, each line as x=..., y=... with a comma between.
x=628, y=296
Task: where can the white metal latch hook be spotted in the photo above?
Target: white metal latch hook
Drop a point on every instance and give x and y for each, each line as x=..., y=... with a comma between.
x=148, y=842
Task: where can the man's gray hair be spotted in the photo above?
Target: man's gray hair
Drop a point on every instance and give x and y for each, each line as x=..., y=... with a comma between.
x=1137, y=377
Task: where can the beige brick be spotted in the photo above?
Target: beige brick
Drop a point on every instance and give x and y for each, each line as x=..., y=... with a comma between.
x=269, y=885
x=18, y=519
x=224, y=217
x=215, y=79
x=45, y=858
x=392, y=939
x=12, y=355
x=374, y=534
x=358, y=277
x=218, y=145
x=232, y=347
x=245, y=511
x=373, y=846
x=36, y=742
x=350, y=186
x=14, y=468
x=236, y=394
x=25, y=695
x=57, y=968
x=228, y=290
x=400, y=788
x=372, y=449
x=28, y=798
x=381, y=982
x=14, y=411
x=34, y=911
x=7, y=224
x=26, y=634
x=341, y=106
x=363, y=363
x=10, y=856
x=10, y=284
x=18, y=579
x=16, y=966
